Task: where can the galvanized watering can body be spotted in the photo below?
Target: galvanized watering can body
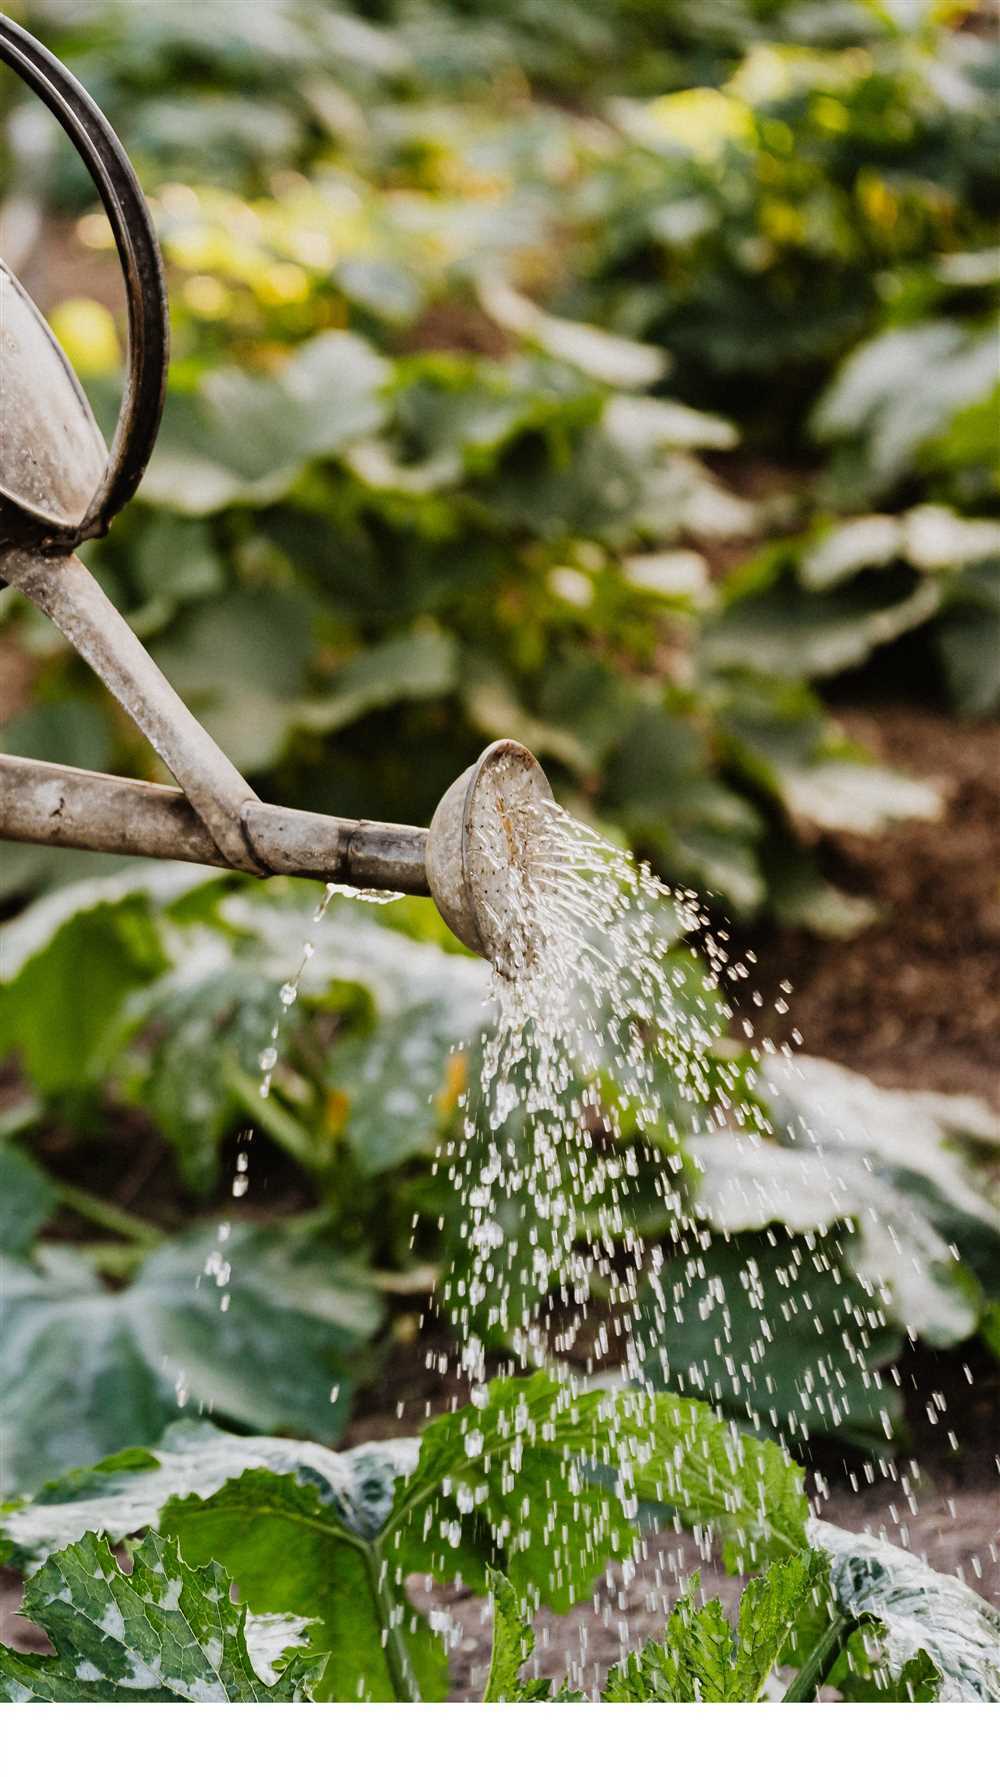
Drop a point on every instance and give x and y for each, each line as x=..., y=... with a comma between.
x=59, y=485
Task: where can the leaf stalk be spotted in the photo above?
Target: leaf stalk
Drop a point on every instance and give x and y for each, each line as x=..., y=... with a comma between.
x=813, y=1674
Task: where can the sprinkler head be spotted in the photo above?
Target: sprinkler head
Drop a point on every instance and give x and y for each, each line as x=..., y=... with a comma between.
x=479, y=854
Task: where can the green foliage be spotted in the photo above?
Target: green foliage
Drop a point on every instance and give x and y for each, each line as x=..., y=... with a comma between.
x=513, y=1645
x=619, y=424
x=331, y=1537
x=163, y=1633
x=813, y=1252
x=924, y=1620
x=177, y=1333
x=882, y=1628
x=320, y=1545
x=409, y=505
x=796, y=1268
x=56, y=1015
x=703, y=1659
x=27, y=1200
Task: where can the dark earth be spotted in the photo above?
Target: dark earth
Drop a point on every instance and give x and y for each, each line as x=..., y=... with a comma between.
x=914, y=1001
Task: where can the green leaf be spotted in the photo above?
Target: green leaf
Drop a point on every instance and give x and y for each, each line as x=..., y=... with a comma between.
x=898, y=390
x=922, y=1144
x=159, y=1634
x=777, y=1331
x=422, y=664
x=774, y=632
x=968, y=639
x=607, y=357
x=919, y=1610
x=645, y=421
x=265, y=638
x=27, y=1199
x=85, y=1370
x=843, y=550
x=67, y=730
x=306, y=1542
x=799, y=895
x=533, y=1437
x=863, y=1674
x=702, y=1659
x=182, y=1039
x=127, y=1492
x=513, y=1644
x=687, y=1460
x=895, y=1249
x=525, y=1481
x=243, y=439
x=852, y=796
x=781, y=738
x=391, y=1080
x=68, y=973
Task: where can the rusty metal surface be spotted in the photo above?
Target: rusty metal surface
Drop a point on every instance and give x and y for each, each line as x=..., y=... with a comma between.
x=52, y=456
x=62, y=587
x=44, y=804
x=60, y=805
x=148, y=325
x=479, y=851
x=367, y=854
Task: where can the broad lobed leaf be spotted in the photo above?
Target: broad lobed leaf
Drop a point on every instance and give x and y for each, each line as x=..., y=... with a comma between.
x=162, y=1633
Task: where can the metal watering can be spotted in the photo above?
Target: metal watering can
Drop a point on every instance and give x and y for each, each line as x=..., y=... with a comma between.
x=59, y=485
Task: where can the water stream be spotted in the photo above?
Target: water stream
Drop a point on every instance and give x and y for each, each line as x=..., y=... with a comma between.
x=604, y=1070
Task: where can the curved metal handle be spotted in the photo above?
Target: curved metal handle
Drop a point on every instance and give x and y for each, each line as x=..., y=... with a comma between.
x=132, y=226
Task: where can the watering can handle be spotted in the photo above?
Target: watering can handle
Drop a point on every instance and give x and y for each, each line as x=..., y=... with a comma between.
x=49, y=574
x=132, y=226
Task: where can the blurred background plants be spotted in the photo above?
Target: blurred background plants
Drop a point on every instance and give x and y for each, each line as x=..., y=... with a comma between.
x=619, y=376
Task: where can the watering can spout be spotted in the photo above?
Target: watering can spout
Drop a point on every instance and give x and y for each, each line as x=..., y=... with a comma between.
x=458, y=860
x=482, y=852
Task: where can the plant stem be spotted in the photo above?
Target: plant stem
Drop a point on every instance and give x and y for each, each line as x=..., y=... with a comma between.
x=107, y=1215
x=821, y=1661
x=397, y=1656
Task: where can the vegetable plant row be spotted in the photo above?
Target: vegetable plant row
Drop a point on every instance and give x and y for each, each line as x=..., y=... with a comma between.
x=528, y=1495
x=653, y=413
x=861, y=1222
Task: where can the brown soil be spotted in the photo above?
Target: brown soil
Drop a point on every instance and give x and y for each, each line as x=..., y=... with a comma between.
x=915, y=999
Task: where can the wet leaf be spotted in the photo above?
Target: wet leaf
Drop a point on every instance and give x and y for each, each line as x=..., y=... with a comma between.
x=896, y=1250
x=924, y=1143
x=332, y=1536
x=920, y=1612
x=85, y=1370
x=703, y=1659
x=775, y=1331
x=162, y=1633
x=291, y=1545
x=513, y=1645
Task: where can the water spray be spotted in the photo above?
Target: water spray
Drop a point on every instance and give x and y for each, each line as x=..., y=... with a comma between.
x=59, y=487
